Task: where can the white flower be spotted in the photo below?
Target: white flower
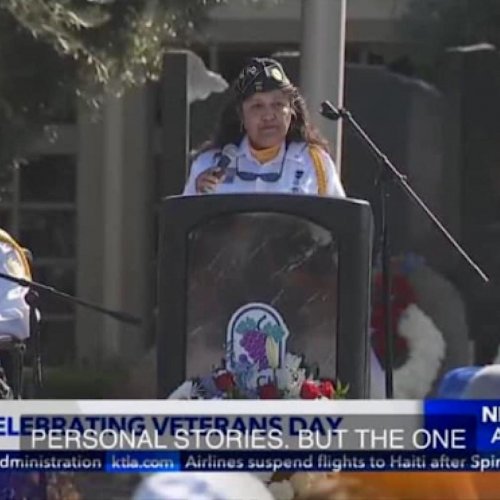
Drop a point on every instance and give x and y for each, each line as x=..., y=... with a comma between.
x=282, y=378
x=184, y=391
x=496, y=361
x=290, y=378
x=295, y=386
x=272, y=353
x=282, y=490
x=292, y=362
x=426, y=350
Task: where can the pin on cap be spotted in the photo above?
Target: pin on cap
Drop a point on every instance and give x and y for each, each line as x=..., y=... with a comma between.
x=261, y=75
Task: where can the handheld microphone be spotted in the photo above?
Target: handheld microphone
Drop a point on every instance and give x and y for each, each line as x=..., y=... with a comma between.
x=328, y=110
x=227, y=155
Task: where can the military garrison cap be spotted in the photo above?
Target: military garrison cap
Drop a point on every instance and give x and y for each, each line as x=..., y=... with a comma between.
x=261, y=74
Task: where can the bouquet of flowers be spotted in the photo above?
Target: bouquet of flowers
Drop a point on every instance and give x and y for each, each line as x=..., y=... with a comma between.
x=246, y=381
x=257, y=365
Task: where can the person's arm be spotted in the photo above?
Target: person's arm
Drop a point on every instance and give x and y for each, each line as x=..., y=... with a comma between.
x=333, y=184
x=195, y=170
x=14, y=311
x=204, y=176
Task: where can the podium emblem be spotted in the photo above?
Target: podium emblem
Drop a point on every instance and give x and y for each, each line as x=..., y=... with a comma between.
x=256, y=335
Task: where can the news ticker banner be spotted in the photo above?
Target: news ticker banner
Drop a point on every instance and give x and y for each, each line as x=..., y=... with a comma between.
x=120, y=436
x=248, y=461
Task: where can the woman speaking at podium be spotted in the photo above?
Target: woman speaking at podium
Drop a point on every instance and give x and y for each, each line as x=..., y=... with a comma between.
x=265, y=143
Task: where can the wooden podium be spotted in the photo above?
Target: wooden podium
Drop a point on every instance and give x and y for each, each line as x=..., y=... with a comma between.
x=307, y=257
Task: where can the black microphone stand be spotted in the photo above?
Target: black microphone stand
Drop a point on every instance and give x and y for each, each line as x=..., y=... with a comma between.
x=389, y=173
x=32, y=300
x=34, y=290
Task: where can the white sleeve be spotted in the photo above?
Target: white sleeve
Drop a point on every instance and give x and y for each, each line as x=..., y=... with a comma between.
x=334, y=187
x=200, y=164
x=14, y=311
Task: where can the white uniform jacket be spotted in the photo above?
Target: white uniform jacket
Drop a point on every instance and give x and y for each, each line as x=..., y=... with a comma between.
x=298, y=173
x=14, y=311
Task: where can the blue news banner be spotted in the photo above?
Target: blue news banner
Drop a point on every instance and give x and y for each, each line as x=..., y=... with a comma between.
x=237, y=461
x=478, y=450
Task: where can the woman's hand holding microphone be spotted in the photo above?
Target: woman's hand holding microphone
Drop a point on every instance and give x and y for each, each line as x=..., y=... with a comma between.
x=208, y=180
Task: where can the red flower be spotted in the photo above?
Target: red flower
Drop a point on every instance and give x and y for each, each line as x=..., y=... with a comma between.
x=378, y=339
x=309, y=390
x=403, y=295
x=327, y=389
x=268, y=391
x=224, y=381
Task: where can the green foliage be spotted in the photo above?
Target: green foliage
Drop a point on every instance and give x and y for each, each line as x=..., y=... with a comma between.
x=54, y=50
x=35, y=86
x=341, y=391
x=113, y=41
x=116, y=43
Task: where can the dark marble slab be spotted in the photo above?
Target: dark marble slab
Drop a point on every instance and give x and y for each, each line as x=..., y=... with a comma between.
x=280, y=260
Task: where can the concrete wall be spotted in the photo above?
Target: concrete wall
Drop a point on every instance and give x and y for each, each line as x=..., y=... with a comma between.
x=115, y=227
x=239, y=21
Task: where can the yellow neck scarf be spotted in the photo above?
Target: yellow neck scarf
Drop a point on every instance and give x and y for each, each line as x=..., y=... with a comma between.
x=265, y=155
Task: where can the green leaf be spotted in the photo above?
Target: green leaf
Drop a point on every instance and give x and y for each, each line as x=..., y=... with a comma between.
x=274, y=331
x=246, y=325
x=340, y=390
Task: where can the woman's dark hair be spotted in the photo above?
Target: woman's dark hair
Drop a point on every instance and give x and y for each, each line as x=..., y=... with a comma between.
x=229, y=129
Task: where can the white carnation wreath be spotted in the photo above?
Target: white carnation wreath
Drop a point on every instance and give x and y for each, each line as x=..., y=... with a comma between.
x=426, y=351
x=496, y=361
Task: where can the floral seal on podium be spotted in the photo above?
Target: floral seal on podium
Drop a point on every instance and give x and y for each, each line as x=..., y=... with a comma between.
x=257, y=364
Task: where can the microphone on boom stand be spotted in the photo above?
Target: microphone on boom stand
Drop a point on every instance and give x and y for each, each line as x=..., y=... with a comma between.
x=389, y=173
